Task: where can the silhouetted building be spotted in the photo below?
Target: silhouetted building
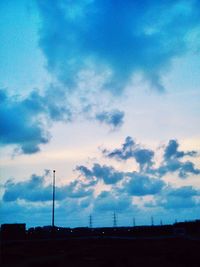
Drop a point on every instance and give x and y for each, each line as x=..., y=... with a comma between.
x=15, y=231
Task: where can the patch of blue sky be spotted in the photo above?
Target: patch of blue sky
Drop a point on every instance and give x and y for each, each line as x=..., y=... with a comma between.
x=22, y=63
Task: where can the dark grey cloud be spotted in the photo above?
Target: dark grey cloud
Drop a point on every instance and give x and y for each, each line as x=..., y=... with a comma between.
x=171, y=151
x=141, y=185
x=173, y=162
x=19, y=126
x=124, y=37
x=106, y=173
x=178, y=198
x=182, y=168
x=144, y=157
x=31, y=190
x=35, y=189
x=123, y=153
x=133, y=183
x=112, y=118
x=86, y=172
x=148, y=181
x=24, y=121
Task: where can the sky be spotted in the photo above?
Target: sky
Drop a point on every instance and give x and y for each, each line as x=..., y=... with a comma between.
x=107, y=93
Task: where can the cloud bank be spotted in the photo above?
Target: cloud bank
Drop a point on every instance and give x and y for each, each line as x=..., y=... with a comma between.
x=146, y=181
x=117, y=38
x=38, y=188
x=141, y=191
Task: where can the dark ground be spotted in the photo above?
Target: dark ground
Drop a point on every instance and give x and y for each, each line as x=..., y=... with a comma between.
x=173, y=252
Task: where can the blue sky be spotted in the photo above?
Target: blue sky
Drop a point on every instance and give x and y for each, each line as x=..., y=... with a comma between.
x=107, y=93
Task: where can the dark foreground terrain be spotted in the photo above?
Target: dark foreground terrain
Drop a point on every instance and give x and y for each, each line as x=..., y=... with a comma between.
x=102, y=252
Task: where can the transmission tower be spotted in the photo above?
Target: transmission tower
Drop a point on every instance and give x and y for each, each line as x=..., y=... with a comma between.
x=90, y=221
x=114, y=220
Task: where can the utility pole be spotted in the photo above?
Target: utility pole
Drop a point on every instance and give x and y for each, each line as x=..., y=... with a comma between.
x=90, y=221
x=161, y=222
x=114, y=220
x=53, y=200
